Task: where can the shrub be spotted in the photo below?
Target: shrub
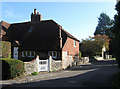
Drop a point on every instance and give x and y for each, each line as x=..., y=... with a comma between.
x=35, y=73
x=80, y=54
x=11, y=68
x=6, y=49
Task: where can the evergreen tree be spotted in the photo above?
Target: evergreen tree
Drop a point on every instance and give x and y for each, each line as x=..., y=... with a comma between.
x=104, y=25
x=116, y=35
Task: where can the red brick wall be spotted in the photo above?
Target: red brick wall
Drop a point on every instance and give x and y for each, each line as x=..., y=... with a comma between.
x=69, y=47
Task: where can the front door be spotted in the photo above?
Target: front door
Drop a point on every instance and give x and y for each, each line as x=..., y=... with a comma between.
x=15, y=53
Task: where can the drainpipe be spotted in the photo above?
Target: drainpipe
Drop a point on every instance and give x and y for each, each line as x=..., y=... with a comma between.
x=60, y=37
x=60, y=43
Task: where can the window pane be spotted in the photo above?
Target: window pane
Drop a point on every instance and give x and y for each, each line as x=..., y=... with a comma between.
x=24, y=53
x=74, y=43
x=50, y=53
x=28, y=53
x=32, y=53
x=54, y=54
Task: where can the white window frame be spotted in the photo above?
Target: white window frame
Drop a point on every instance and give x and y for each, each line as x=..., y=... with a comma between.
x=23, y=53
x=27, y=54
x=53, y=53
x=74, y=43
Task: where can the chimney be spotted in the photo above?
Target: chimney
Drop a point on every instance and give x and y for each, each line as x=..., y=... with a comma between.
x=36, y=17
x=35, y=11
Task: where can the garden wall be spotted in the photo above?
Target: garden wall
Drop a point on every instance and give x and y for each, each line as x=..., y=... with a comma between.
x=31, y=66
x=55, y=65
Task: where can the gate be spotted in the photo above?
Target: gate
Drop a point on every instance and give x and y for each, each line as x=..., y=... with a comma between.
x=43, y=65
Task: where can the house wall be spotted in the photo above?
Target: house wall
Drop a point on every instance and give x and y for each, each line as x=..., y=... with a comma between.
x=72, y=53
x=69, y=47
x=42, y=55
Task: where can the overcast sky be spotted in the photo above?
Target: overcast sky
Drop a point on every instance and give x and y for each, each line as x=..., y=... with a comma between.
x=78, y=18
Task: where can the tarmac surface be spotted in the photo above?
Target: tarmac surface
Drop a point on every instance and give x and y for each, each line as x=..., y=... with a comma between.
x=94, y=75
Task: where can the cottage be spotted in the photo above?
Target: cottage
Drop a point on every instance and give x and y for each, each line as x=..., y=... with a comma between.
x=43, y=38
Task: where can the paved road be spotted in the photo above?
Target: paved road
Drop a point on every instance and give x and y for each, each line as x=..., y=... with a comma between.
x=97, y=74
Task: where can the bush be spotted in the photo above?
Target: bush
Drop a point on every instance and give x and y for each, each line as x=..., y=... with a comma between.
x=35, y=73
x=11, y=68
x=80, y=54
x=6, y=49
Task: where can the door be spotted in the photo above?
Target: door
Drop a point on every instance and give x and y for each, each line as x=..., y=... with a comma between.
x=64, y=59
x=15, y=53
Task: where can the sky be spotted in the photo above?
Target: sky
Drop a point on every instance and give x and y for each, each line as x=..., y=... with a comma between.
x=79, y=18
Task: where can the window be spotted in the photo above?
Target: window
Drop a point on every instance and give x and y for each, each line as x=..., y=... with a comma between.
x=74, y=43
x=24, y=54
x=31, y=29
x=28, y=53
x=53, y=54
x=50, y=53
x=33, y=53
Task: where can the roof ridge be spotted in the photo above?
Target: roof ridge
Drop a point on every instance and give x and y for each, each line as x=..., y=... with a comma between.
x=66, y=32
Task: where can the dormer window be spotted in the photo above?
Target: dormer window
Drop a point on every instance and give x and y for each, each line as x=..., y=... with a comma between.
x=74, y=43
x=31, y=29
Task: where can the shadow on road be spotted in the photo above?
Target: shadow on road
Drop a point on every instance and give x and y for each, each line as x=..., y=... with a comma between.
x=94, y=65
x=99, y=76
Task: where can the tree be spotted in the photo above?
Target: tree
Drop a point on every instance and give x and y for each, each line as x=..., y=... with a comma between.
x=102, y=40
x=93, y=45
x=90, y=48
x=116, y=35
x=104, y=25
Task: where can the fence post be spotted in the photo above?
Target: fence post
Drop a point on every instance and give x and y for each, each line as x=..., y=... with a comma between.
x=37, y=59
x=50, y=60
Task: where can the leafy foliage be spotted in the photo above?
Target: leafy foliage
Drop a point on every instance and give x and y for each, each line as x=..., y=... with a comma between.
x=35, y=73
x=104, y=25
x=93, y=45
x=90, y=48
x=103, y=40
x=11, y=68
x=6, y=49
x=116, y=35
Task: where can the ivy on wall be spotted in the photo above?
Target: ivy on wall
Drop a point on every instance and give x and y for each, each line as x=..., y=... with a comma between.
x=5, y=48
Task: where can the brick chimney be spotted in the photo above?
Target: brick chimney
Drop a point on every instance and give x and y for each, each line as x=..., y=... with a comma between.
x=36, y=17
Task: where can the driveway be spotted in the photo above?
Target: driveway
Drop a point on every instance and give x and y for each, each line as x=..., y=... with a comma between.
x=97, y=74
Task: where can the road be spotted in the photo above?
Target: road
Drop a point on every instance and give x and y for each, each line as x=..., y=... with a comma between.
x=97, y=74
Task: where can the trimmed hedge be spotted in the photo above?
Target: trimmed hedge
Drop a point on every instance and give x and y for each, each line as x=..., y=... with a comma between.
x=6, y=49
x=11, y=68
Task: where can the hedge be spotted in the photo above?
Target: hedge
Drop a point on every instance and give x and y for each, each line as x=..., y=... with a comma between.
x=5, y=47
x=11, y=68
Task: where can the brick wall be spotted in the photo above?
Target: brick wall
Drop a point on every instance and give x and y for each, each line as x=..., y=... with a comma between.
x=69, y=47
x=72, y=53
